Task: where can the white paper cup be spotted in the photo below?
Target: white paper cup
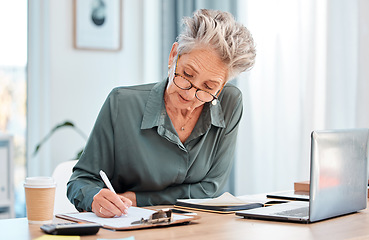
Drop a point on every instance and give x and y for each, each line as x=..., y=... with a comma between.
x=40, y=196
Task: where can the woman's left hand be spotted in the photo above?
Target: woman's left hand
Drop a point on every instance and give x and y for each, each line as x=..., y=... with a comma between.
x=131, y=196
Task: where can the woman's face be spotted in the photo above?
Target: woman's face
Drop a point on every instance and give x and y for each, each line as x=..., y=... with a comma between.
x=203, y=68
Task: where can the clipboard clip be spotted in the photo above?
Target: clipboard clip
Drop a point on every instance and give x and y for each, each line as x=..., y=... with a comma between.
x=161, y=216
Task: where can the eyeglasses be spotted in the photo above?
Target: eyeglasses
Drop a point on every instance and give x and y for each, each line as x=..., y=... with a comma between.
x=185, y=84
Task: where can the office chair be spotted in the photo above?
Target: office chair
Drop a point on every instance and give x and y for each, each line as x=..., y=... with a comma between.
x=61, y=175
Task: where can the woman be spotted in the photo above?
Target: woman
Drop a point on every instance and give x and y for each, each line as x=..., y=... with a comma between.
x=173, y=139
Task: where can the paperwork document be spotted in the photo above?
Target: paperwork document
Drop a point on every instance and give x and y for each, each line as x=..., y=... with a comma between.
x=226, y=203
x=123, y=222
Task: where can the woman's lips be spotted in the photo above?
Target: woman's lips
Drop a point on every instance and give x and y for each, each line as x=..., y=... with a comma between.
x=182, y=99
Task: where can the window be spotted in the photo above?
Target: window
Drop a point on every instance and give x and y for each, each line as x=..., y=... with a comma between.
x=13, y=93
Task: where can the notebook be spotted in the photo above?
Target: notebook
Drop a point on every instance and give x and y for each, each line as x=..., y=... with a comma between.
x=226, y=203
x=338, y=179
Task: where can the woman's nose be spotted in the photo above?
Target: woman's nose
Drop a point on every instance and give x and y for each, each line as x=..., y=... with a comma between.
x=191, y=93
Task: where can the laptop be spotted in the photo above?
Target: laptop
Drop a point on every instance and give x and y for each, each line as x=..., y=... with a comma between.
x=338, y=180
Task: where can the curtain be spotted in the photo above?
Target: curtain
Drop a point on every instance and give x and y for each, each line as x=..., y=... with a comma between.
x=305, y=78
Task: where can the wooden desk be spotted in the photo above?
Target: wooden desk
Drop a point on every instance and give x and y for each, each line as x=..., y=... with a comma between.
x=218, y=226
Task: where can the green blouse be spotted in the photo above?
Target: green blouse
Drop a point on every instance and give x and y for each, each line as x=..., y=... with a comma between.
x=134, y=142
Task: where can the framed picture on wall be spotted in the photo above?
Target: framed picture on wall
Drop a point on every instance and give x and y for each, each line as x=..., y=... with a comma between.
x=97, y=24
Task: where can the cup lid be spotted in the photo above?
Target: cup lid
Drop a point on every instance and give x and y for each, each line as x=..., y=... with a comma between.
x=39, y=182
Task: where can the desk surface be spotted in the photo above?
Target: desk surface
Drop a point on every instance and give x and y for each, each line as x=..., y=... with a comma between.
x=218, y=226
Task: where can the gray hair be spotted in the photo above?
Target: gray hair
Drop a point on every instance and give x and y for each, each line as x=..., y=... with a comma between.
x=220, y=32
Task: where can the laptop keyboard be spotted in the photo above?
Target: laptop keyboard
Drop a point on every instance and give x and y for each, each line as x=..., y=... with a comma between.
x=298, y=212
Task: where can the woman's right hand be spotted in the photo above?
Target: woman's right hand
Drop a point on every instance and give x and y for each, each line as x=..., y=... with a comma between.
x=108, y=204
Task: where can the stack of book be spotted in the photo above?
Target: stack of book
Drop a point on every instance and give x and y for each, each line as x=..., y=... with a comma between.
x=304, y=186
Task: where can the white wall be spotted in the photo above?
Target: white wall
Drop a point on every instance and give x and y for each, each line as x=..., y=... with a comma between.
x=69, y=84
x=363, y=66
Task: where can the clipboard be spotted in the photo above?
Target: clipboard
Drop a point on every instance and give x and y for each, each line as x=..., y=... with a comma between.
x=137, y=218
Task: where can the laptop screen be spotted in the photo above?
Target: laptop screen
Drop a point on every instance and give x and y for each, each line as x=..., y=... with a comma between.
x=338, y=172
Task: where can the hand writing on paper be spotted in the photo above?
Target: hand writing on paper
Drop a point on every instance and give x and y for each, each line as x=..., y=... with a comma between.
x=108, y=204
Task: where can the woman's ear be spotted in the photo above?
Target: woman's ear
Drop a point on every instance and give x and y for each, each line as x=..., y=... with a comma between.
x=173, y=53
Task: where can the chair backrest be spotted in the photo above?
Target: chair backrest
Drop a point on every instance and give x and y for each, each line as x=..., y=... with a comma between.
x=61, y=174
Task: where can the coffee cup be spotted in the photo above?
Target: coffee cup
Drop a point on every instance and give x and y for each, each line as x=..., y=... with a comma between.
x=40, y=196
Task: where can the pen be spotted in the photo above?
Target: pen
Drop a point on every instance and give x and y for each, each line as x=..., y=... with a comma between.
x=106, y=181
